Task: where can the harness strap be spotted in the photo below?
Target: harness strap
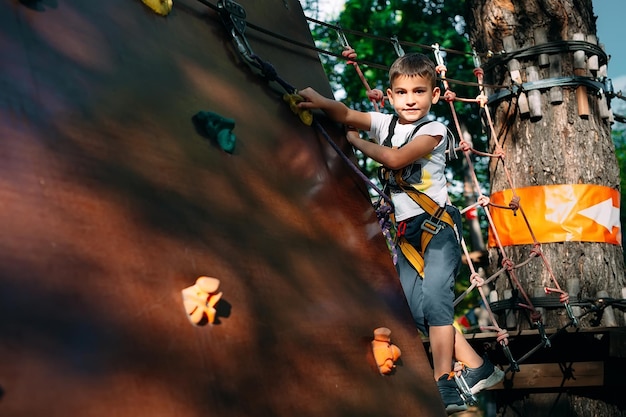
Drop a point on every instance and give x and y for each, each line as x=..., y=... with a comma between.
x=412, y=255
x=392, y=128
x=430, y=227
x=383, y=173
x=438, y=214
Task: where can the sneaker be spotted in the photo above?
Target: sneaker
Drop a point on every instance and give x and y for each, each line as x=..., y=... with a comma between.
x=485, y=376
x=450, y=395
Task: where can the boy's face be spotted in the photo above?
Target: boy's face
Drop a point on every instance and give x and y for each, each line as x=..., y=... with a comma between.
x=411, y=97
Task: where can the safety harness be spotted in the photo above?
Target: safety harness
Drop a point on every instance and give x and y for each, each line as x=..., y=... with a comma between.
x=439, y=217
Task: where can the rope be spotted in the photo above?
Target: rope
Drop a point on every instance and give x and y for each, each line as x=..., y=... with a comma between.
x=385, y=206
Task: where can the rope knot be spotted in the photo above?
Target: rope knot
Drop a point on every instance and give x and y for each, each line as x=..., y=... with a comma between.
x=449, y=96
x=536, y=250
x=514, y=204
x=478, y=72
x=503, y=337
x=508, y=264
x=482, y=99
x=535, y=316
x=476, y=279
x=563, y=296
x=350, y=55
x=483, y=200
x=267, y=69
x=376, y=96
x=465, y=145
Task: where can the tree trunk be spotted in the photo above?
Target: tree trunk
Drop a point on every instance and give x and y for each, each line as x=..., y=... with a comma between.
x=551, y=136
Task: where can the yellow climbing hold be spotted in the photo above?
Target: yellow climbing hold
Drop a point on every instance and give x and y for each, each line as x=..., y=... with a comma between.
x=162, y=7
x=305, y=115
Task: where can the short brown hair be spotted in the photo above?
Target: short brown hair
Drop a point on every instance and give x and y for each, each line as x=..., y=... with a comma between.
x=413, y=64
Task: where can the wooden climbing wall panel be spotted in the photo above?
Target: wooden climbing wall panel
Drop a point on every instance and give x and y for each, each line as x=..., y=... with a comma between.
x=112, y=202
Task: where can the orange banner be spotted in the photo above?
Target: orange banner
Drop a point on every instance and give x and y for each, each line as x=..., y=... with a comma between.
x=558, y=213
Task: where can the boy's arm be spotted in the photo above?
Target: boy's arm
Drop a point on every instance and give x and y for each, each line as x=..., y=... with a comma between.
x=336, y=110
x=396, y=158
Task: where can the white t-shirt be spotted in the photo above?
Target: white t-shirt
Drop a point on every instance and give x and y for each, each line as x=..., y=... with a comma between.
x=432, y=180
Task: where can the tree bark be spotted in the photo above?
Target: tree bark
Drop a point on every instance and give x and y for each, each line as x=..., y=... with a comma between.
x=558, y=142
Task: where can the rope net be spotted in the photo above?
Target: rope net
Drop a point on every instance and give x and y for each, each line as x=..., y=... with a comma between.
x=478, y=282
x=236, y=26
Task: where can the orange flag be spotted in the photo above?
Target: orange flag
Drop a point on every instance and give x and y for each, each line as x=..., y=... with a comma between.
x=557, y=213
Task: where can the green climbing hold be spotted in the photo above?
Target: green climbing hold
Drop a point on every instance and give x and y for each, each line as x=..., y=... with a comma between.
x=218, y=128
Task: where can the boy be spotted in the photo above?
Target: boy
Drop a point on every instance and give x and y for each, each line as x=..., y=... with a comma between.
x=419, y=155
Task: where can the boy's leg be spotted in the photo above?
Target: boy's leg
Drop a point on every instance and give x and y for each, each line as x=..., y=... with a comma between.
x=464, y=352
x=442, y=347
x=441, y=263
x=412, y=287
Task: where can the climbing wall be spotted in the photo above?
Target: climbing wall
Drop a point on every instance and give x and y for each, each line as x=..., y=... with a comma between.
x=112, y=201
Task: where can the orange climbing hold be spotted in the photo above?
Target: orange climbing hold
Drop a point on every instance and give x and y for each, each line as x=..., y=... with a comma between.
x=557, y=213
x=385, y=353
x=200, y=300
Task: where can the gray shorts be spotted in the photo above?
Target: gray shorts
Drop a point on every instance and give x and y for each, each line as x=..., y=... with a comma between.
x=431, y=298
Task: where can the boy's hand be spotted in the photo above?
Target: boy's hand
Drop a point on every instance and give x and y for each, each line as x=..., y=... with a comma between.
x=313, y=99
x=352, y=134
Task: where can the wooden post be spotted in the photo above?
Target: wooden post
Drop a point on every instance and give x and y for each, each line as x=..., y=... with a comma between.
x=493, y=297
x=592, y=61
x=573, y=289
x=608, y=317
x=603, y=105
x=580, y=69
x=539, y=291
x=624, y=296
x=514, y=70
x=534, y=96
x=556, y=93
x=509, y=314
x=541, y=37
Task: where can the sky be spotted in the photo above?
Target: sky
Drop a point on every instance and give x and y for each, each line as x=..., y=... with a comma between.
x=611, y=14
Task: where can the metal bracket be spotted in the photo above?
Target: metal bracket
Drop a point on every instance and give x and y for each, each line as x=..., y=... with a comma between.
x=509, y=356
x=234, y=18
x=465, y=391
x=396, y=45
x=437, y=53
x=570, y=314
x=542, y=332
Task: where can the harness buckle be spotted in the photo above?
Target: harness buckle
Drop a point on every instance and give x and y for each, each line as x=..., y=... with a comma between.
x=401, y=229
x=432, y=227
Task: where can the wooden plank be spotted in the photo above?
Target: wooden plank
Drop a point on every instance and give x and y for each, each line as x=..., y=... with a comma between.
x=553, y=375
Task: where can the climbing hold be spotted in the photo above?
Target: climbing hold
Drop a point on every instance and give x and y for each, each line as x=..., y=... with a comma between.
x=218, y=128
x=162, y=7
x=200, y=300
x=385, y=353
x=305, y=115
